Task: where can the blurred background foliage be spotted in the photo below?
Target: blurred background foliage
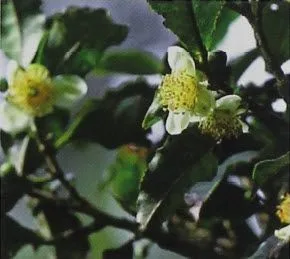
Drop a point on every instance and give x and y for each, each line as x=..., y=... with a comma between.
x=218, y=199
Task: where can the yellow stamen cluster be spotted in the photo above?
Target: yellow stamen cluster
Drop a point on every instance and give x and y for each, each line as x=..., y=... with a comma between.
x=178, y=91
x=32, y=90
x=283, y=210
x=221, y=124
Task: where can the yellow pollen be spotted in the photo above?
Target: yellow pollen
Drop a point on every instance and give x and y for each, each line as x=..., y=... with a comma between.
x=178, y=92
x=220, y=124
x=32, y=91
x=283, y=210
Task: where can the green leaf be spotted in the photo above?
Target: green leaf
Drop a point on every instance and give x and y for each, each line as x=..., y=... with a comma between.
x=272, y=247
x=266, y=169
x=212, y=18
x=13, y=188
x=276, y=29
x=130, y=62
x=14, y=236
x=125, y=251
x=117, y=118
x=21, y=29
x=240, y=64
x=184, y=160
x=125, y=175
x=77, y=39
x=60, y=221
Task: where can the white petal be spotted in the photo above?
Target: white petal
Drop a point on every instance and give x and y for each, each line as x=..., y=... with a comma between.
x=194, y=118
x=177, y=122
x=12, y=119
x=180, y=60
x=229, y=102
x=69, y=89
x=245, y=127
x=283, y=234
x=12, y=67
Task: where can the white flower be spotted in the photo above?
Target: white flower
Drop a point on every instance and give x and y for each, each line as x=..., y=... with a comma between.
x=283, y=234
x=183, y=93
x=33, y=93
x=224, y=120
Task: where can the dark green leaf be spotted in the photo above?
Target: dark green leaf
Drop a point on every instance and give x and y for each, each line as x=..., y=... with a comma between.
x=184, y=160
x=6, y=141
x=21, y=29
x=276, y=29
x=265, y=170
x=14, y=236
x=130, y=62
x=126, y=174
x=240, y=64
x=117, y=119
x=77, y=39
x=13, y=188
x=271, y=248
x=60, y=221
x=125, y=251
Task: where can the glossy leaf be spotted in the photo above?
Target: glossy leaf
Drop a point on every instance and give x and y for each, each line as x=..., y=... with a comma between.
x=77, y=39
x=265, y=170
x=181, y=162
x=21, y=29
x=125, y=251
x=130, y=62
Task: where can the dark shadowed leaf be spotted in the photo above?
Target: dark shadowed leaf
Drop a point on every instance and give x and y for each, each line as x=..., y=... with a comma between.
x=21, y=29
x=265, y=170
x=125, y=251
x=77, y=39
x=14, y=236
x=115, y=120
x=130, y=62
x=183, y=160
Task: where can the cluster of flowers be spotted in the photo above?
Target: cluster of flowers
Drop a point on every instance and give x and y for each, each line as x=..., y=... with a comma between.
x=185, y=95
x=32, y=92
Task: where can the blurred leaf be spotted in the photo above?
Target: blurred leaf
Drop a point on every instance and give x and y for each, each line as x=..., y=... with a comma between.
x=13, y=188
x=131, y=62
x=126, y=174
x=271, y=248
x=181, y=162
x=60, y=221
x=276, y=28
x=265, y=170
x=125, y=251
x=212, y=19
x=239, y=65
x=77, y=39
x=6, y=141
x=117, y=118
x=14, y=236
x=21, y=29
x=206, y=191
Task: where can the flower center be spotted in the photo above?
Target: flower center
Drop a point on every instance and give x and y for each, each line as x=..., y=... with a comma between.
x=32, y=92
x=283, y=210
x=220, y=124
x=178, y=92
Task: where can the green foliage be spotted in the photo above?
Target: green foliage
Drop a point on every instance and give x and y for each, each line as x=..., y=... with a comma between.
x=75, y=47
x=172, y=170
x=125, y=251
x=130, y=62
x=21, y=29
x=125, y=175
x=266, y=169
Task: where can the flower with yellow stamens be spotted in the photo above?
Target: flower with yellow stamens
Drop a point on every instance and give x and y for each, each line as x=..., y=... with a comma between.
x=32, y=92
x=283, y=212
x=223, y=121
x=183, y=93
